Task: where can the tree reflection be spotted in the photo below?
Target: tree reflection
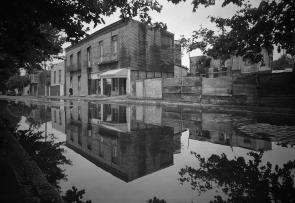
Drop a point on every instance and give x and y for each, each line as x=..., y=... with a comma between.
x=48, y=155
x=156, y=200
x=241, y=180
x=74, y=196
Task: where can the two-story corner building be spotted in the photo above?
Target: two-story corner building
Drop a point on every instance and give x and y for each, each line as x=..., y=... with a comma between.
x=106, y=62
x=39, y=83
x=57, y=76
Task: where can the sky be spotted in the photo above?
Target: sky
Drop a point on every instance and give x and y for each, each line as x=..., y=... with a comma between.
x=181, y=20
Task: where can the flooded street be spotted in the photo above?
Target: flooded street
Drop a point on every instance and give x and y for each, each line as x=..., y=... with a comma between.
x=133, y=153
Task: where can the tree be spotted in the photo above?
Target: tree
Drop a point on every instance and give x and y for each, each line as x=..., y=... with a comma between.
x=74, y=196
x=241, y=180
x=248, y=30
x=18, y=82
x=33, y=31
x=283, y=62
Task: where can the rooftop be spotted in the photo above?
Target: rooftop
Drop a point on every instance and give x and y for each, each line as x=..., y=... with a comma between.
x=105, y=30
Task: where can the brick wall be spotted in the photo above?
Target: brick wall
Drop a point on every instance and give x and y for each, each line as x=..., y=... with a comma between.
x=139, y=48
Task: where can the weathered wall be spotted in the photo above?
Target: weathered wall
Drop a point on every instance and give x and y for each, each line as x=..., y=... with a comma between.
x=180, y=71
x=185, y=89
x=55, y=90
x=153, y=88
x=139, y=48
x=217, y=86
x=149, y=88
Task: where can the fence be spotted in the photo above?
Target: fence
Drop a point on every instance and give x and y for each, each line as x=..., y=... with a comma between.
x=185, y=89
x=148, y=88
x=249, y=89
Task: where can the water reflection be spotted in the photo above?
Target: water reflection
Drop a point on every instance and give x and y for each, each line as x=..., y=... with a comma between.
x=147, y=147
x=109, y=136
x=241, y=180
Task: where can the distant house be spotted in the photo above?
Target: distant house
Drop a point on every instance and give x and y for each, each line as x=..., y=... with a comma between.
x=177, y=53
x=180, y=71
x=210, y=67
x=57, y=73
x=40, y=83
x=199, y=65
x=240, y=65
x=106, y=62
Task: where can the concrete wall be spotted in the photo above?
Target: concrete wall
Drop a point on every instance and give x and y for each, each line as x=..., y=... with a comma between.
x=217, y=86
x=149, y=88
x=185, y=89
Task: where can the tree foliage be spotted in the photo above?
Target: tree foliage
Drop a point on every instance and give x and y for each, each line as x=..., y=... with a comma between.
x=33, y=31
x=18, y=82
x=249, y=30
x=74, y=196
x=283, y=62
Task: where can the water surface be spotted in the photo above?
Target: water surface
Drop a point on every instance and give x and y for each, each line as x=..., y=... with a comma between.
x=132, y=153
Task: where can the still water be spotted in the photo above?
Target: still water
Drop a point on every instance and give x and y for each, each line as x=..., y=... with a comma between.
x=132, y=153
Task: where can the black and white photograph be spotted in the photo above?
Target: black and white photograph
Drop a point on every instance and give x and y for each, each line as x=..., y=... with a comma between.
x=147, y=101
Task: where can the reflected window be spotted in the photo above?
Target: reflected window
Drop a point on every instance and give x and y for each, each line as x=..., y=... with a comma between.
x=79, y=82
x=55, y=116
x=79, y=139
x=71, y=136
x=221, y=136
x=115, y=152
x=79, y=113
x=247, y=140
x=71, y=114
x=89, y=132
x=100, y=147
x=89, y=146
x=60, y=123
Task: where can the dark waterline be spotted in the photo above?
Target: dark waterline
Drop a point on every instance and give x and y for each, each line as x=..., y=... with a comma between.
x=132, y=153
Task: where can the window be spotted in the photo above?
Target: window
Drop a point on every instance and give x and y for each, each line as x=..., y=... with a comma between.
x=71, y=59
x=54, y=77
x=100, y=51
x=89, y=57
x=115, y=84
x=114, y=44
x=79, y=82
x=59, y=76
x=79, y=59
x=71, y=82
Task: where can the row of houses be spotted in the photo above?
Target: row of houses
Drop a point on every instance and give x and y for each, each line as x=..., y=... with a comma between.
x=210, y=67
x=110, y=60
x=124, y=139
x=106, y=62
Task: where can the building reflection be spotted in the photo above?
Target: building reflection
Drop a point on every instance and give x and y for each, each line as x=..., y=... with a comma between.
x=133, y=141
x=112, y=138
x=58, y=119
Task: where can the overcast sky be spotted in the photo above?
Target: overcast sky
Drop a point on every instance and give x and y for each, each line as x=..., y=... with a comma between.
x=181, y=20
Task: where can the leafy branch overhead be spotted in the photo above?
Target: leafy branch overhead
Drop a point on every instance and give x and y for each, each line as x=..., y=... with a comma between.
x=33, y=31
x=249, y=30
